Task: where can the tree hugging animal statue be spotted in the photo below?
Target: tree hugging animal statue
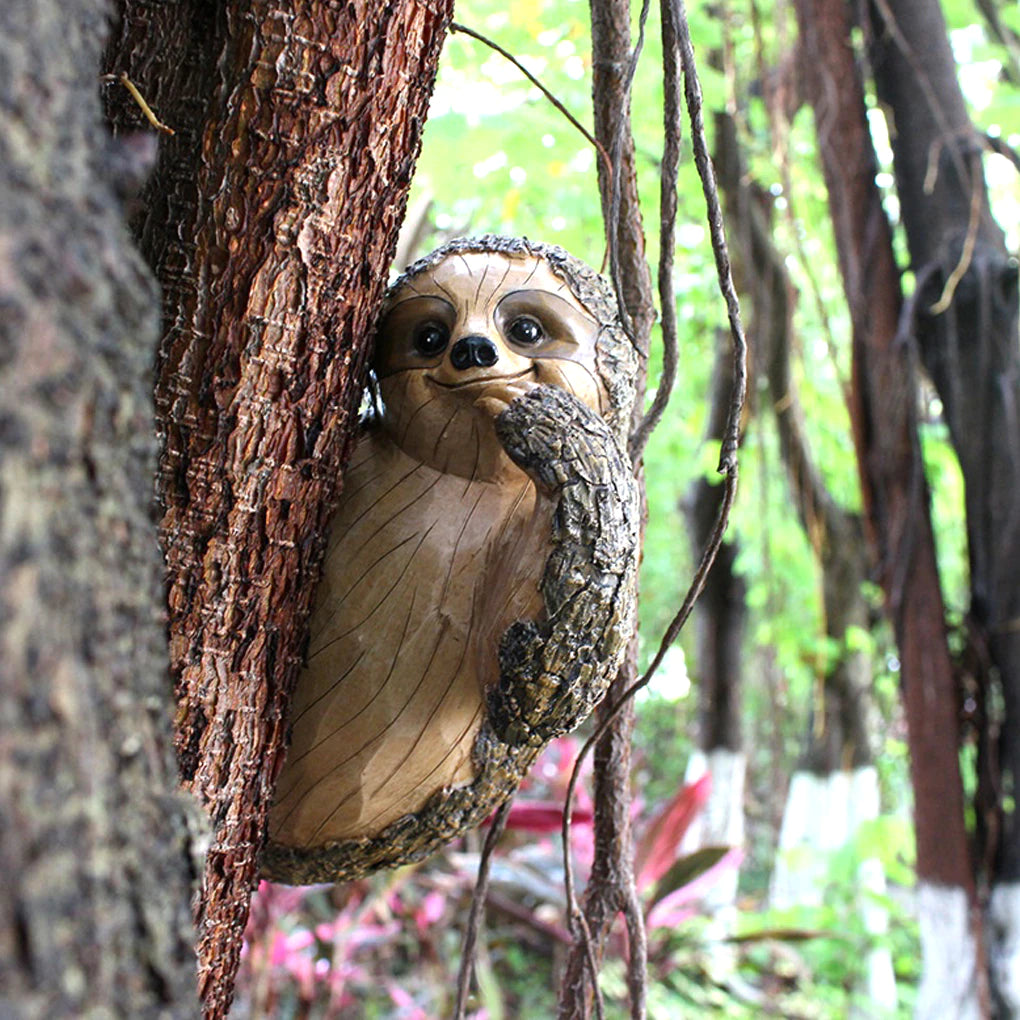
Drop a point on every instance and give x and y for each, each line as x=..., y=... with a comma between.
x=478, y=591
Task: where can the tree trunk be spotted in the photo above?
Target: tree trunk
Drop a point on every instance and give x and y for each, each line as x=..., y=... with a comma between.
x=721, y=612
x=965, y=321
x=95, y=841
x=610, y=44
x=834, y=788
x=271, y=223
x=896, y=507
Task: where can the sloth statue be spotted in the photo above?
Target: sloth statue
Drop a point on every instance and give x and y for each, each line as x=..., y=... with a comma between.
x=478, y=592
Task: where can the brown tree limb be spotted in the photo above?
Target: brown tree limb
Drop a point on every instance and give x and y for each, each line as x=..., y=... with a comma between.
x=964, y=319
x=699, y=145
x=97, y=843
x=672, y=134
x=271, y=223
x=887, y=447
x=895, y=493
x=617, y=707
x=731, y=432
x=613, y=65
x=611, y=33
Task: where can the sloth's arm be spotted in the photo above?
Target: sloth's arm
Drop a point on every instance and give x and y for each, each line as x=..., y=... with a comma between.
x=553, y=671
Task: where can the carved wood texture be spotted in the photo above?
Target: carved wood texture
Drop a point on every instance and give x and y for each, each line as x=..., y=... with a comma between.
x=479, y=589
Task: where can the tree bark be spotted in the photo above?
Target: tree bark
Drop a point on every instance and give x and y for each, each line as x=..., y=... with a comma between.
x=610, y=43
x=964, y=319
x=271, y=223
x=969, y=346
x=95, y=841
x=896, y=504
x=834, y=788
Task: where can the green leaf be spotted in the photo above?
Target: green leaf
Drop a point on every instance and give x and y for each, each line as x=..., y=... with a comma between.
x=686, y=869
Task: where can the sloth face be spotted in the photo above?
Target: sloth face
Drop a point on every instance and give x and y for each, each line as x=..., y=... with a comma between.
x=462, y=339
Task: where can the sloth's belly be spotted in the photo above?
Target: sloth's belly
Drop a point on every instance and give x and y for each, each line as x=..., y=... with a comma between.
x=423, y=574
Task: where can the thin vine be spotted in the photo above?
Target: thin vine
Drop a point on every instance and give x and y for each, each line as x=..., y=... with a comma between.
x=676, y=44
x=676, y=40
x=481, y=890
x=506, y=54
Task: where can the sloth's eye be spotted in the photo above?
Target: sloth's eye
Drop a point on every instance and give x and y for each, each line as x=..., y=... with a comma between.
x=430, y=338
x=525, y=330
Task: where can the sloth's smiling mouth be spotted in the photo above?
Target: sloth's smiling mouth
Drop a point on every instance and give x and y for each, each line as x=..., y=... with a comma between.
x=487, y=380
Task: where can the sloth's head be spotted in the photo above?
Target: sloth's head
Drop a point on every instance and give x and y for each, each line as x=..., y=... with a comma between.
x=477, y=323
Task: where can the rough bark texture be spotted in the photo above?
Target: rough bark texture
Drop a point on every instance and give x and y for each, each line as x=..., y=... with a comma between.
x=840, y=737
x=611, y=881
x=895, y=492
x=271, y=222
x=969, y=348
x=95, y=845
x=610, y=42
x=896, y=497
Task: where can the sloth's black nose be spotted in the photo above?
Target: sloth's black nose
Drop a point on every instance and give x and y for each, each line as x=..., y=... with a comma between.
x=473, y=350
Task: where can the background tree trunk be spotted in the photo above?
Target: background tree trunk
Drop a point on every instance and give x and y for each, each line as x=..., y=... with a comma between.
x=721, y=611
x=834, y=787
x=720, y=617
x=839, y=738
x=271, y=222
x=965, y=321
x=95, y=846
x=896, y=508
